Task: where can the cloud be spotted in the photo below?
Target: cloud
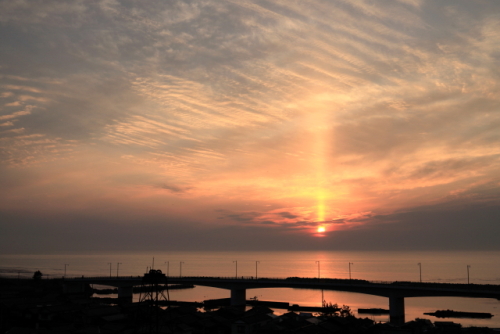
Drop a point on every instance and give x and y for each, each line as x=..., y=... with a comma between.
x=292, y=222
x=20, y=149
x=245, y=217
x=175, y=189
x=6, y=94
x=16, y=114
x=288, y=215
x=281, y=114
x=18, y=130
x=23, y=88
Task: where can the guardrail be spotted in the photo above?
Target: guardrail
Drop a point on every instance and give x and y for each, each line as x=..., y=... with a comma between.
x=309, y=280
x=304, y=282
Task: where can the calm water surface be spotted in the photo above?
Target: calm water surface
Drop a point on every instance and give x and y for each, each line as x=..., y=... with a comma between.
x=378, y=266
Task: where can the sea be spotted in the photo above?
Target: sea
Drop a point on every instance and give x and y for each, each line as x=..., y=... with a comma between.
x=475, y=267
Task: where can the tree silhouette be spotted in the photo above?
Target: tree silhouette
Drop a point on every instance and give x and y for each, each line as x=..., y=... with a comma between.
x=345, y=311
x=37, y=275
x=333, y=310
x=330, y=309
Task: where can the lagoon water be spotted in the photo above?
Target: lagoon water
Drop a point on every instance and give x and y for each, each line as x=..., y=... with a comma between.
x=448, y=267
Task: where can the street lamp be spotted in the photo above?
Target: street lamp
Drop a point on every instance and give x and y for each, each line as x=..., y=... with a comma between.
x=468, y=281
x=318, y=269
x=180, y=269
x=65, y=265
x=168, y=266
x=350, y=269
x=420, y=268
x=109, y=269
x=236, y=268
x=117, y=268
x=256, y=268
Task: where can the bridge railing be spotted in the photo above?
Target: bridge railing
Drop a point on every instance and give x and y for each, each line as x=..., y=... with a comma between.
x=301, y=281
x=104, y=277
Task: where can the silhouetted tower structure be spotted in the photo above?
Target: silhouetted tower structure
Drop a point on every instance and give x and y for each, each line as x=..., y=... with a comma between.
x=152, y=296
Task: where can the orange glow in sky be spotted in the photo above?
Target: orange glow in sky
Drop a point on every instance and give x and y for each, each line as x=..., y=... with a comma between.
x=343, y=135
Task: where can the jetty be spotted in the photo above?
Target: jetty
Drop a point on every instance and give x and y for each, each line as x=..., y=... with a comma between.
x=459, y=314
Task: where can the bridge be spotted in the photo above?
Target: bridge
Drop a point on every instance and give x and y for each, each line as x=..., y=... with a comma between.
x=396, y=292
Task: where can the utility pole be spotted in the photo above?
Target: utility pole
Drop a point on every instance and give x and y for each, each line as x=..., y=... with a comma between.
x=236, y=268
x=468, y=280
x=256, y=268
x=420, y=267
x=117, y=268
x=319, y=271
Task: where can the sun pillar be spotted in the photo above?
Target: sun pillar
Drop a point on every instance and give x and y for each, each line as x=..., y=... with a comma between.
x=321, y=206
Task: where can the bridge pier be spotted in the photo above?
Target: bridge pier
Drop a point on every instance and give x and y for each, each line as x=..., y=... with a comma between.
x=73, y=287
x=238, y=297
x=125, y=293
x=397, y=310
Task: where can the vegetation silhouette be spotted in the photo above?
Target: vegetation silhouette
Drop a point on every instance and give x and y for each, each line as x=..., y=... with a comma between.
x=333, y=310
x=37, y=276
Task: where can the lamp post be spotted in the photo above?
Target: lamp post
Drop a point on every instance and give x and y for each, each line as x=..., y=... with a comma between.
x=236, y=268
x=168, y=266
x=256, y=268
x=117, y=268
x=109, y=269
x=420, y=269
x=65, y=265
x=350, y=269
x=468, y=281
x=319, y=276
x=180, y=269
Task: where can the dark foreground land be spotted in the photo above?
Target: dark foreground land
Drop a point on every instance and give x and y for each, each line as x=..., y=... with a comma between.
x=40, y=306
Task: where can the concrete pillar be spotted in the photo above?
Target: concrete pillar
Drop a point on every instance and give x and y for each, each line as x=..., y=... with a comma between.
x=238, y=297
x=125, y=293
x=397, y=310
x=73, y=287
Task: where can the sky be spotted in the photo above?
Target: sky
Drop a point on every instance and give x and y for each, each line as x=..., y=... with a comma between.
x=248, y=125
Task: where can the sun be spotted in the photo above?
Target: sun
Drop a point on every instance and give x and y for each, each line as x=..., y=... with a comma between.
x=321, y=229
